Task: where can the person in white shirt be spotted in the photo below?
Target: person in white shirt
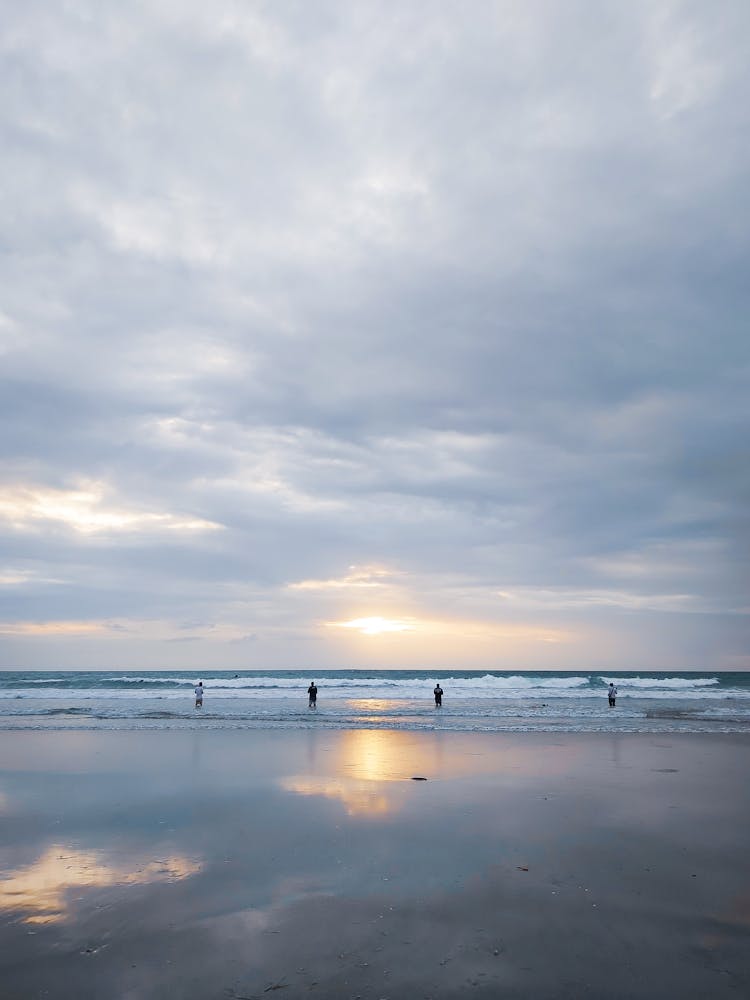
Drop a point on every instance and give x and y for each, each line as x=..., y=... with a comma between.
x=612, y=694
x=199, y=694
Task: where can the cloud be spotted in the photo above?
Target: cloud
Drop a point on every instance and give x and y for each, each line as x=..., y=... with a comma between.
x=57, y=628
x=458, y=301
x=85, y=511
x=365, y=576
x=375, y=625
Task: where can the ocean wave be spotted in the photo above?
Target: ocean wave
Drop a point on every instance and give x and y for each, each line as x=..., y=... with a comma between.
x=413, y=692
x=671, y=683
x=48, y=680
x=65, y=711
x=148, y=680
x=275, y=682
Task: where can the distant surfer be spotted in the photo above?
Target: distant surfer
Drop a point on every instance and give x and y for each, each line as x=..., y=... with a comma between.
x=612, y=694
x=199, y=694
x=438, y=692
x=312, y=693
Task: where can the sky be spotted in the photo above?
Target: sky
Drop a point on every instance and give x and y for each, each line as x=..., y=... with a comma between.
x=374, y=334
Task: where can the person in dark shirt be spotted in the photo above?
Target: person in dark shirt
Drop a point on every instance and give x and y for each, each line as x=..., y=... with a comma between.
x=312, y=692
x=438, y=692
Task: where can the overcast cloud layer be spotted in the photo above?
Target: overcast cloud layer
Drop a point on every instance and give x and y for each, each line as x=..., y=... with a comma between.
x=374, y=334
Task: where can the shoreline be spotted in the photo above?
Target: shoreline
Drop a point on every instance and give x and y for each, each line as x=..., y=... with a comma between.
x=400, y=700
x=206, y=864
x=215, y=716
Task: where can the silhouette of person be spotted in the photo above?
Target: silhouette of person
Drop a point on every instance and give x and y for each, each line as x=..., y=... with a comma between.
x=312, y=692
x=438, y=692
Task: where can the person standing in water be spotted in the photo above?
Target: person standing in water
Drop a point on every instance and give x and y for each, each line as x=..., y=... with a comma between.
x=612, y=694
x=199, y=694
x=312, y=692
x=438, y=692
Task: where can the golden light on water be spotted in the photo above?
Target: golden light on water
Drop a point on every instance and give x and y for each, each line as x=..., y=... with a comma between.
x=40, y=890
x=369, y=706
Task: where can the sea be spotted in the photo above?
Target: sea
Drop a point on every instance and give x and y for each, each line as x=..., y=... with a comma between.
x=473, y=701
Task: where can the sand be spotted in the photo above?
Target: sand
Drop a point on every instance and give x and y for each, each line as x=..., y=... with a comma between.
x=242, y=864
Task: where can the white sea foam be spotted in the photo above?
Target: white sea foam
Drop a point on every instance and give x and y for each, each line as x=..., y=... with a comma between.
x=664, y=683
x=47, y=680
x=488, y=688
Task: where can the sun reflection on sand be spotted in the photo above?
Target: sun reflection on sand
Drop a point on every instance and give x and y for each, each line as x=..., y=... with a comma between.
x=359, y=798
x=376, y=754
x=40, y=889
x=367, y=771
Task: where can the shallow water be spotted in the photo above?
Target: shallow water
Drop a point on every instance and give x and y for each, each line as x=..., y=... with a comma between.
x=474, y=701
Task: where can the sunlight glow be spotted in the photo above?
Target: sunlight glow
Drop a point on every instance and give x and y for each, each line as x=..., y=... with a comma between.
x=51, y=628
x=358, y=576
x=465, y=631
x=160, y=630
x=376, y=625
x=87, y=511
x=21, y=577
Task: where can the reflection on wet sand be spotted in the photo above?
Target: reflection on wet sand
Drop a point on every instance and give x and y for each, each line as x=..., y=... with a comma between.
x=38, y=891
x=380, y=755
x=359, y=798
x=367, y=769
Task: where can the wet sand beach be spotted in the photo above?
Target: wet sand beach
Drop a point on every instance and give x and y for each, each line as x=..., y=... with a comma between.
x=238, y=864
